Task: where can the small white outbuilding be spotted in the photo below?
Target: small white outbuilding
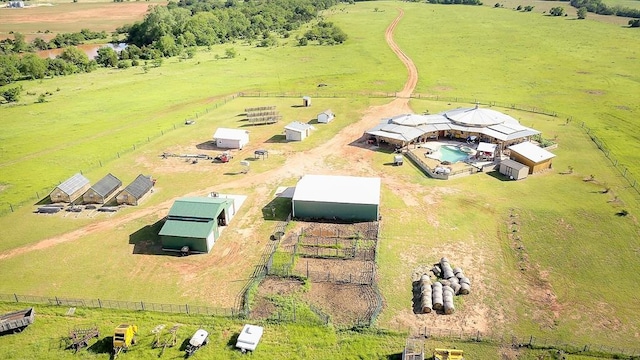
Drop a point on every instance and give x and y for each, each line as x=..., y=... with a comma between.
x=326, y=116
x=249, y=337
x=231, y=138
x=297, y=131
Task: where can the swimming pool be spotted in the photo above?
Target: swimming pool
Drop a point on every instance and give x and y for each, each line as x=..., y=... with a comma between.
x=452, y=154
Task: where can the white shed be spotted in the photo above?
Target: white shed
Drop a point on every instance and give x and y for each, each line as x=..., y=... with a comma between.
x=297, y=131
x=326, y=116
x=249, y=337
x=231, y=138
x=513, y=169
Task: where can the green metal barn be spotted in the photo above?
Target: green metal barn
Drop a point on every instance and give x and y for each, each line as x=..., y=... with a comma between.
x=195, y=222
x=342, y=198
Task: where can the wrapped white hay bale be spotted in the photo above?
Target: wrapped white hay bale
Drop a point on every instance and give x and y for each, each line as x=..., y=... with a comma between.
x=426, y=303
x=465, y=289
x=456, y=271
x=444, y=282
x=436, y=296
x=448, y=307
x=465, y=280
x=456, y=288
x=443, y=260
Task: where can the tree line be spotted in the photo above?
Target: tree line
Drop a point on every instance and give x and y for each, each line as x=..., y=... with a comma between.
x=598, y=7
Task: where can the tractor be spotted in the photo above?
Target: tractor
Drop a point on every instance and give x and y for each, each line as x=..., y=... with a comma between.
x=124, y=336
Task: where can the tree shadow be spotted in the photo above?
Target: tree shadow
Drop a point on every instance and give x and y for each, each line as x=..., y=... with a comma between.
x=417, y=307
x=146, y=240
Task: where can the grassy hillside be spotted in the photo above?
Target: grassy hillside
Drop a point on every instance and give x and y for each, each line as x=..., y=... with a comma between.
x=548, y=256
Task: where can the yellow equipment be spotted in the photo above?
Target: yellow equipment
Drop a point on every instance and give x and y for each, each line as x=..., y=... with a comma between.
x=448, y=354
x=123, y=337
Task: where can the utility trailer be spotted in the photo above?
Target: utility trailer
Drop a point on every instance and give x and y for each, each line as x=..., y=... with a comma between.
x=79, y=338
x=249, y=337
x=17, y=321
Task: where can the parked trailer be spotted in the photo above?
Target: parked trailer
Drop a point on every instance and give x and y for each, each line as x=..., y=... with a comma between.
x=249, y=337
x=17, y=321
x=198, y=340
x=79, y=338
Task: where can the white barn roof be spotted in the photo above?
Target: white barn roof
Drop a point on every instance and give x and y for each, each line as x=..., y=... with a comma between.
x=531, y=151
x=338, y=189
x=73, y=184
x=298, y=126
x=479, y=117
x=486, y=147
x=233, y=134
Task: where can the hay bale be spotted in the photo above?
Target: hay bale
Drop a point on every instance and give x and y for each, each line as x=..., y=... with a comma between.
x=448, y=289
x=465, y=280
x=460, y=275
x=444, y=260
x=425, y=278
x=456, y=288
x=426, y=290
x=453, y=280
x=436, y=270
x=426, y=304
x=444, y=282
x=437, y=302
x=436, y=285
x=457, y=270
x=448, y=307
x=465, y=289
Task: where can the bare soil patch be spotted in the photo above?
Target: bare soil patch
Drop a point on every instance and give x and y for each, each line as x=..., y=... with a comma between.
x=347, y=304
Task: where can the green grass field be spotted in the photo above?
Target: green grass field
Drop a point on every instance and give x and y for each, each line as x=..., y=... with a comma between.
x=571, y=244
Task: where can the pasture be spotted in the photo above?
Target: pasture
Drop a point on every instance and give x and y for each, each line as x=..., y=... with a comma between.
x=46, y=19
x=561, y=277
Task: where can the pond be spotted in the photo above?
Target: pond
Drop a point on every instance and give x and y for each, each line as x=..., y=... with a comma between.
x=90, y=49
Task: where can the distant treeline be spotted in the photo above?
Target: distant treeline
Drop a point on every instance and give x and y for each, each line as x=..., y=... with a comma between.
x=598, y=7
x=448, y=2
x=207, y=22
x=19, y=45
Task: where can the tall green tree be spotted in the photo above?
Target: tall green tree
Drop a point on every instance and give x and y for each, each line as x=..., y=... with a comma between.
x=19, y=44
x=75, y=56
x=32, y=66
x=9, y=71
x=107, y=57
x=582, y=12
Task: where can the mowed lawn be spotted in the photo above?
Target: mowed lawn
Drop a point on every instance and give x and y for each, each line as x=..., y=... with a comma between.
x=573, y=243
x=588, y=73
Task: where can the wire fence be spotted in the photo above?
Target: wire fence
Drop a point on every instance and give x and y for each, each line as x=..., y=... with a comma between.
x=528, y=341
x=38, y=195
x=120, y=304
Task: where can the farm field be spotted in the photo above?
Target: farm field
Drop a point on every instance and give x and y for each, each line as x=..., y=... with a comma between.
x=46, y=19
x=559, y=278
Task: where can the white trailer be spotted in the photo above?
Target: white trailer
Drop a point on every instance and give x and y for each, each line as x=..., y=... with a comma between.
x=249, y=337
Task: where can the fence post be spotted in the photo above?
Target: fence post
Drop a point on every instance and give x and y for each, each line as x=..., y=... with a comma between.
x=99, y=304
x=187, y=308
x=57, y=302
x=11, y=207
x=142, y=305
x=16, y=297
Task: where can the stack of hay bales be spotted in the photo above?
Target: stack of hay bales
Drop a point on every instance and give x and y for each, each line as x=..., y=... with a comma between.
x=436, y=293
x=465, y=283
x=451, y=282
x=425, y=294
x=447, y=299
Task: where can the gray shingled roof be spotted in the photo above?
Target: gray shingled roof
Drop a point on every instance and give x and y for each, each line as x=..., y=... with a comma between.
x=107, y=185
x=139, y=186
x=73, y=184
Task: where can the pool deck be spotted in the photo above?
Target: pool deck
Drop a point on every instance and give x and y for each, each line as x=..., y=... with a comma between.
x=424, y=151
